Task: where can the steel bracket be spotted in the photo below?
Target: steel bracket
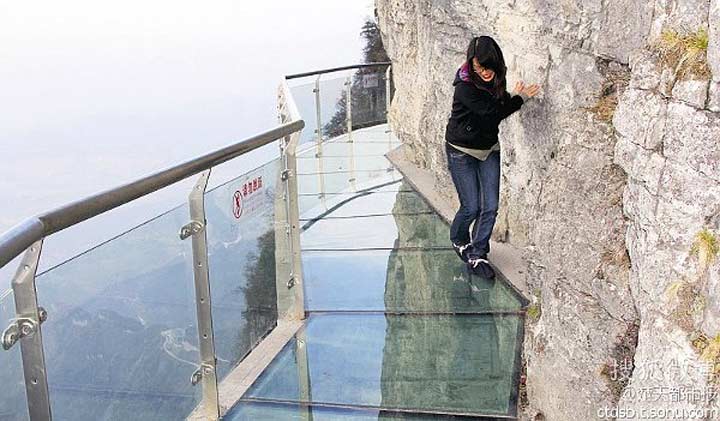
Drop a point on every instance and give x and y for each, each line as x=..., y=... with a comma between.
x=20, y=328
x=201, y=371
x=191, y=229
x=285, y=174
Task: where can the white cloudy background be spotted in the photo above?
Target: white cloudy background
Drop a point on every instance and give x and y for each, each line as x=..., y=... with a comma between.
x=96, y=93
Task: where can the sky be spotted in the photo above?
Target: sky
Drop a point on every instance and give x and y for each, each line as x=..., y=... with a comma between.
x=95, y=94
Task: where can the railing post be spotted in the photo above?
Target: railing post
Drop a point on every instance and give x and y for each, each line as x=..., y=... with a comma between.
x=206, y=374
x=388, y=99
x=319, y=154
x=318, y=116
x=28, y=332
x=291, y=299
x=348, y=106
x=293, y=228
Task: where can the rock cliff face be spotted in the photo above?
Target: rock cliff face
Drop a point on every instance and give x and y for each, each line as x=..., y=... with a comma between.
x=611, y=182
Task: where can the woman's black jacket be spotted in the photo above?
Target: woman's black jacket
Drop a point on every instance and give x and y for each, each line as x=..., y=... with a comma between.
x=476, y=115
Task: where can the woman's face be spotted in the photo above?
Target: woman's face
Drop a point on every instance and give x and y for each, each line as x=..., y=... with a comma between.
x=485, y=74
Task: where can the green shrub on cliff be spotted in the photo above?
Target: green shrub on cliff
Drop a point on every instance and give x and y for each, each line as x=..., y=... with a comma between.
x=706, y=249
x=685, y=53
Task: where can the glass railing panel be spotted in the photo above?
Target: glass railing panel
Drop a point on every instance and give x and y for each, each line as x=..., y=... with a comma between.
x=401, y=281
x=452, y=364
x=333, y=114
x=241, y=246
x=416, y=230
x=121, y=340
x=369, y=97
x=13, y=401
x=304, y=96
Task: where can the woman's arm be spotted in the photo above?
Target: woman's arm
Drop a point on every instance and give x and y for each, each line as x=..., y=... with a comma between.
x=521, y=94
x=510, y=106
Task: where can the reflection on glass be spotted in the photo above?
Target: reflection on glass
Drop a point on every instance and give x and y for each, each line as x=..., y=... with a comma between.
x=241, y=249
x=400, y=281
x=13, y=404
x=387, y=231
x=313, y=204
x=344, y=182
x=331, y=164
x=370, y=142
x=121, y=339
x=462, y=364
x=369, y=97
x=333, y=114
x=362, y=204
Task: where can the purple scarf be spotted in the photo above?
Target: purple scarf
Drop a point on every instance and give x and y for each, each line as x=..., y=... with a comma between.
x=464, y=72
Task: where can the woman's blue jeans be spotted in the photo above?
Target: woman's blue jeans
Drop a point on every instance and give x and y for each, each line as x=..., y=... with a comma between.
x=478, y=187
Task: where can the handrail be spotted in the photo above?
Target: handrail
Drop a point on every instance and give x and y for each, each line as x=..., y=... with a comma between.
x=17, y=239
x=337, y=69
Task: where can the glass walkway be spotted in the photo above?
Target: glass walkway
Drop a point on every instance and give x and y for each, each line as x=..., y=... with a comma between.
x=396, y=328
x=327, y=238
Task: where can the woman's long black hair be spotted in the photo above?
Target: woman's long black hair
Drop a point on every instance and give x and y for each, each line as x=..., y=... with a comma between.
x=489, y=55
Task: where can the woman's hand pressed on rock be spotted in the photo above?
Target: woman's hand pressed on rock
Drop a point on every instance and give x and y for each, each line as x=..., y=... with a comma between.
x=526, y=91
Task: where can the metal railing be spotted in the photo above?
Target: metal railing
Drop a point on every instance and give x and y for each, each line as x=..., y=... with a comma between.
x=339, y=69
x=354, y=101
x=28, y=237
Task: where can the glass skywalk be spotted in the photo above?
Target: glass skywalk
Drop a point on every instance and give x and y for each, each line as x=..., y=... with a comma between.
x=396, y=328
x=184, y=314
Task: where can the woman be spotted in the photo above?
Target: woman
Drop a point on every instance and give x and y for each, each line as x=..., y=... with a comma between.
x=480, y=103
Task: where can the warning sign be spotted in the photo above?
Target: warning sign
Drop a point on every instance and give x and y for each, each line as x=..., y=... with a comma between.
x=237, y=204
x=249, y=188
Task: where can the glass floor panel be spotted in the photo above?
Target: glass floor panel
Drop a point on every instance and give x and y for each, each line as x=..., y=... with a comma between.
x=401, y=281
x=266, y=411
x=308, y=202
x=344, y=182
x=377, y=146
x=335, y=163
x=376, y=232
x=448, y=364
x=366, y=204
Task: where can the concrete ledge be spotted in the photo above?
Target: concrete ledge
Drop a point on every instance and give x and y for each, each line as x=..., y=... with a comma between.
x=505, y=257
x=234, y=386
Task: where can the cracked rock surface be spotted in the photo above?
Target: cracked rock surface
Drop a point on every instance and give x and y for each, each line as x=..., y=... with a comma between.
x=605, y=209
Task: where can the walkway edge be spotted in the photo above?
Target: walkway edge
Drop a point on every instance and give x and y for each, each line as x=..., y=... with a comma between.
x=235, y=384
x=505, y=257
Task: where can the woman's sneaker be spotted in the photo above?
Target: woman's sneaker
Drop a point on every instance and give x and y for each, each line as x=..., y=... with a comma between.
x=480, y=266
x=462, y=251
